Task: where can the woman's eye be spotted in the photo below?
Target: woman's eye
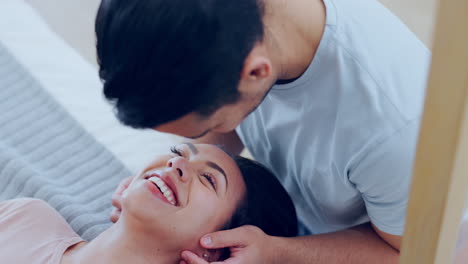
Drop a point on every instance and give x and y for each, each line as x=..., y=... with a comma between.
x=176, y=151
x=210, y=179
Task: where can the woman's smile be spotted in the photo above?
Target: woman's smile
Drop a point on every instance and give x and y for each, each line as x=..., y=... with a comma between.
x=188, y=185
x=162, y=187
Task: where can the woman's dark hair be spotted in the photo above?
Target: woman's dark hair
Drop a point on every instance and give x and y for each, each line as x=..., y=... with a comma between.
x=162, y=59
x=266, y=205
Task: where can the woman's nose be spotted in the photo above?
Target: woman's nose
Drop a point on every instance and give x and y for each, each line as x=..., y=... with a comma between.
x=180, y=166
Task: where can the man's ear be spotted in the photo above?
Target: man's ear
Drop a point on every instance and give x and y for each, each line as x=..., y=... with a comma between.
x=256, y=76
x=257, y=65
x=257, y=68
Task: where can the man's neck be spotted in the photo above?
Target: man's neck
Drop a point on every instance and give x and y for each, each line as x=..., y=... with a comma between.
x=117, y=246
x=293, y=31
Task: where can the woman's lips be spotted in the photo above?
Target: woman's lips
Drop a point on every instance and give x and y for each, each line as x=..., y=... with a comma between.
x=163, y=185
x=165, y=190
x=155, y=190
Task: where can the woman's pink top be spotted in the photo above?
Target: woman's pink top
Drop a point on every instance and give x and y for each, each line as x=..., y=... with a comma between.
x=32, y=232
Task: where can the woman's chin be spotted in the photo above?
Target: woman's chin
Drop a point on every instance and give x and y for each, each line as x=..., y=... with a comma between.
x=142, y=206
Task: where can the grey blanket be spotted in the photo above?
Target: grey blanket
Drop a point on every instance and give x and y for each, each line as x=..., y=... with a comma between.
x=45, y=154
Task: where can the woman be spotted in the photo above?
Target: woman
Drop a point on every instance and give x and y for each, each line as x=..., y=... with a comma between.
x=166, y=209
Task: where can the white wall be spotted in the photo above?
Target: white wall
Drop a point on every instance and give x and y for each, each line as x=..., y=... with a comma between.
x=74, y=19
x=419, y=15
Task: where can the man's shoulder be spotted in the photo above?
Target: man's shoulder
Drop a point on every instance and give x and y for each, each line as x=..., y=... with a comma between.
x=363, y=85
x=365, y=62
x=373, y=42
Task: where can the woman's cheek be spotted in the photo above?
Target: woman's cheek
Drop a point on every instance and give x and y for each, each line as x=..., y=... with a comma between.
x=207, y=209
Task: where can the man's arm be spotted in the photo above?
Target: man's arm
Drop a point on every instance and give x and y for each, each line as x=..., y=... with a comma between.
x=361, y=244
x=249, y=245
x=230, y=141
x=393, y=240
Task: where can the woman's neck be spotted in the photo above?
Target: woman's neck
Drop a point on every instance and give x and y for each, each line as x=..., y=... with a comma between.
x=117, y=245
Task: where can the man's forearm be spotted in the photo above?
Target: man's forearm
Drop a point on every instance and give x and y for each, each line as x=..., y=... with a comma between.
x=360, y=244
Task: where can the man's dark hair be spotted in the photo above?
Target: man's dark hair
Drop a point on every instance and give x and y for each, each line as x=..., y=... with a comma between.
x=162, y=59
x=266, y=204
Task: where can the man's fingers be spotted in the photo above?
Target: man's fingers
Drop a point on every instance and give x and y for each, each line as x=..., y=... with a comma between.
x=117, y=196
x=238, y=237
x=115, y=215
x=116, y=200
x=191, y=258
x=124, y=185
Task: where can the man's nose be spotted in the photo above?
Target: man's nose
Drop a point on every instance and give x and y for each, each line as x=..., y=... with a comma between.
x=181, y=167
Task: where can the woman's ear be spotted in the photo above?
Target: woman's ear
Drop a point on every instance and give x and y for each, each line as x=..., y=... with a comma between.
x=213, y=255
x=216, y=254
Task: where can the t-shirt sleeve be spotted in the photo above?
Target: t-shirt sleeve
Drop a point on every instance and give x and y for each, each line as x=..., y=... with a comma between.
x=32, y=230
x=12, y=207
x=383, y=177
x=34, y=217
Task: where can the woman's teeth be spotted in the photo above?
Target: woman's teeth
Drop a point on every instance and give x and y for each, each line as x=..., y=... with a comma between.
x=164, y=189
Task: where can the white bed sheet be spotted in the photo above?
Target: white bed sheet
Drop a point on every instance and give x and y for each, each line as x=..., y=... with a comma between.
x=74, y=83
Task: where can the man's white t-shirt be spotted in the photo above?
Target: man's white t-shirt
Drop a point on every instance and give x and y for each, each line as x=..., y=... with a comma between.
x=342, y=137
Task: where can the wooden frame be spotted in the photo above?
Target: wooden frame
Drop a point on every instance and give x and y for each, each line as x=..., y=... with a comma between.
x=440, y=178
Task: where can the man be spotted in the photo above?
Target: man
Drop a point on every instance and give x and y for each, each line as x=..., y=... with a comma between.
x=328, y=94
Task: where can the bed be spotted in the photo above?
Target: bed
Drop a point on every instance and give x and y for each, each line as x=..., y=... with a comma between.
x=59, y=139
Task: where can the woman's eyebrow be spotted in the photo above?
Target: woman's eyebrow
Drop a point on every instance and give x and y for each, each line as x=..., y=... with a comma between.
x=218, y=168
x=208, y=163
x=192, y=148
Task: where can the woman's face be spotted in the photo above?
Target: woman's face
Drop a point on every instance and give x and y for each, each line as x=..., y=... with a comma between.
x=183, y=195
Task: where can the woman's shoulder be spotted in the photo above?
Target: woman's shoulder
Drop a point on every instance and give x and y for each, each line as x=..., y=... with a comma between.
x=18, y=202
x=17, y=206
x=32, y=229
x=33, y=213
x=30, y=214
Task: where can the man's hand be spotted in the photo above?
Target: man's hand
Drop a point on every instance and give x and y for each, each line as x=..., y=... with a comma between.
x=117, y=198
x=248, y=245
